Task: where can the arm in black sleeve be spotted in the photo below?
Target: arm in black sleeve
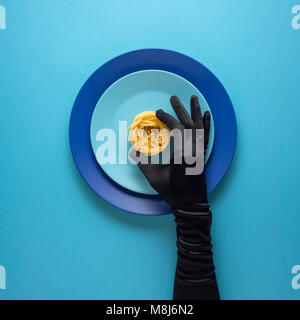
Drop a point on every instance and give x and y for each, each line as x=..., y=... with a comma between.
x=186, y=193
x=195, y=272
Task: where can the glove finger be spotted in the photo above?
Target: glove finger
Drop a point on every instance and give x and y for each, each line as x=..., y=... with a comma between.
x=139, y=157
x=206, y=122
x=196, y=112
x=154, y=173
x=134, y=156
x=166, y=118
x=181, y=113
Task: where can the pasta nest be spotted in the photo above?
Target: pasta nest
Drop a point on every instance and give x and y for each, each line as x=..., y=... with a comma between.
x=148, y=134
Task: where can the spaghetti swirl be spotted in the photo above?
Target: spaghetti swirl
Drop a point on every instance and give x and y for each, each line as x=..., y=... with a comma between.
x=148, y=134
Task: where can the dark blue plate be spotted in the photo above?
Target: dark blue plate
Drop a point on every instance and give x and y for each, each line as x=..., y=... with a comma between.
x=188, y=68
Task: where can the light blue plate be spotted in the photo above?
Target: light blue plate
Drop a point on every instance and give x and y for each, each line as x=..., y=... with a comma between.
x=147, y=90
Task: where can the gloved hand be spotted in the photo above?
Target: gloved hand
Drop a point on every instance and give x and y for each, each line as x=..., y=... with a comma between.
x=171, y=181
x=187, y=195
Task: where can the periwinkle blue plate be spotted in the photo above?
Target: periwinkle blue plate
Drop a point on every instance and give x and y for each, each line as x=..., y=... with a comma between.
x=147, y=90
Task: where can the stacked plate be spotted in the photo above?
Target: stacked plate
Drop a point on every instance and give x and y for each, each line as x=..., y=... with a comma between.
x=125, y=86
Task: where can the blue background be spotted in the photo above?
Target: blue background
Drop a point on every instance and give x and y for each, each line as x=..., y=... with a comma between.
x=58, y=240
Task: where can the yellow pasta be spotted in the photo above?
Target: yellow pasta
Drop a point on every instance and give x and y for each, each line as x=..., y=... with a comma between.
x=148, y=134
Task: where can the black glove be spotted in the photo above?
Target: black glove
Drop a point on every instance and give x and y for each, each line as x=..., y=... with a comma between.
x=186, y=193
x=170, y=180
